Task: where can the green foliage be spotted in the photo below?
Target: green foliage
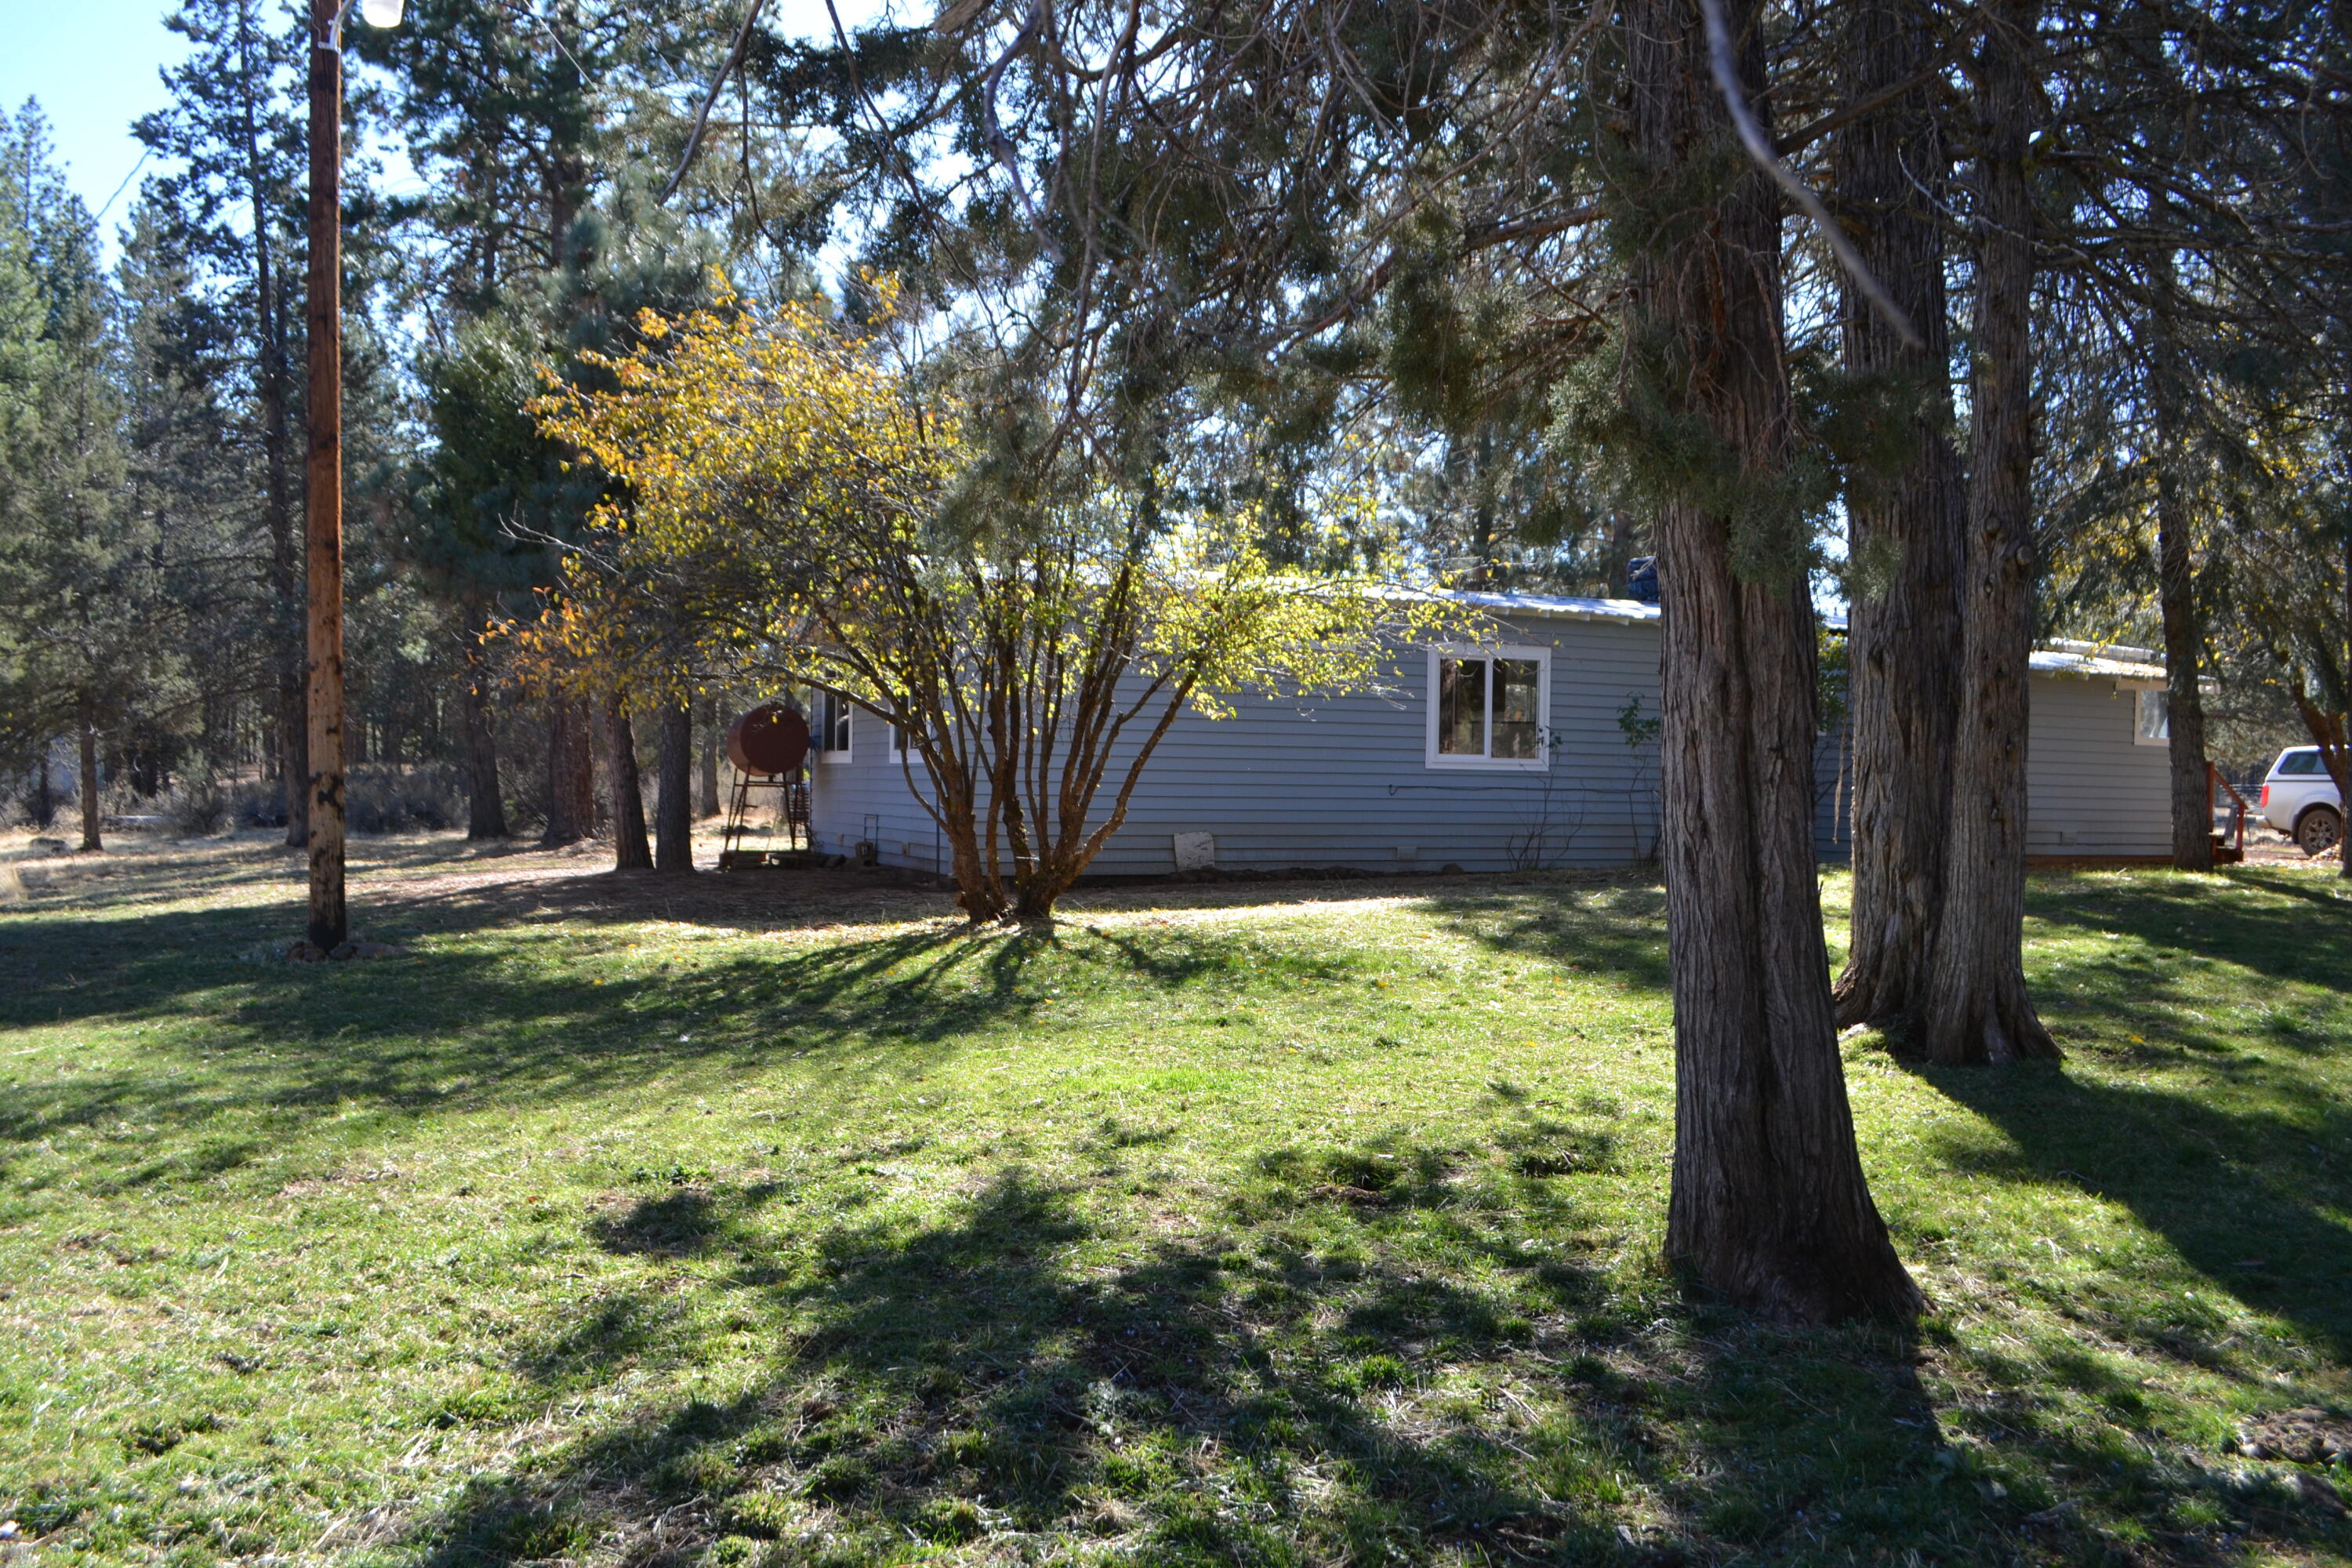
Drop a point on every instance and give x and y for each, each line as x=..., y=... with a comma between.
x=79, y=595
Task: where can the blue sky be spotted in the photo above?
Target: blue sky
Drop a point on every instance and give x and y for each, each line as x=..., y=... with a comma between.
x=93, y=64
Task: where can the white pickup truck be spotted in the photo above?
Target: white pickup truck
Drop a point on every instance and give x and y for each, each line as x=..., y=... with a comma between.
x=2301, y=801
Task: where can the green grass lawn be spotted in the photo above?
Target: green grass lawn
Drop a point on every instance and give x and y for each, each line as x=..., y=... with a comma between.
x=1248, y=1225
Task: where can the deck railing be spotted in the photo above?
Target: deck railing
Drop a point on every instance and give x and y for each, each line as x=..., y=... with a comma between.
x=2230, y=847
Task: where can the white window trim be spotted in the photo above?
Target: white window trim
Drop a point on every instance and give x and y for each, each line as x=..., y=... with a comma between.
x=1540, y=763
x=2139, y=694
x=849, y=711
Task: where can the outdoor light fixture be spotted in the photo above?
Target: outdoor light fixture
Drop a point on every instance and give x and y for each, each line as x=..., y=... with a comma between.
x=380, y=13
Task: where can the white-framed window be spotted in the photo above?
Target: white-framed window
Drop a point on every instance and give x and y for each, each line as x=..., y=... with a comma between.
x=831, y=727
x=1488, y=707
x=2151, y=716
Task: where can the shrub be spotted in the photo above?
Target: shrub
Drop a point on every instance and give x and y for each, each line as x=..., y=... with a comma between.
x=260, y=805
x=404, y=800
x=376, y=800
x=198, y=807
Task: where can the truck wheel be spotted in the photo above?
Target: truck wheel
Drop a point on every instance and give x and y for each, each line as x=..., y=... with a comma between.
x=2316, y=830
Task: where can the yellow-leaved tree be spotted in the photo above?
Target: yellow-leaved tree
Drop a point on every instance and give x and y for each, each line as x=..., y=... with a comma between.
x=792, y=496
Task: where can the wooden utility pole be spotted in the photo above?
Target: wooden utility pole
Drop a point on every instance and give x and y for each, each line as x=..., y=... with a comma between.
x=330, y=920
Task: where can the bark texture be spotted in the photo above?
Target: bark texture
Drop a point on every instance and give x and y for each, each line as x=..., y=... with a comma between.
x=2184, y=632
x=1769, y=1206
x=329, y=921
x=93, y=810
x=571, y=776
x=1976, y=1008
x=630, y=850
x=674, y=806
x=1905, y=540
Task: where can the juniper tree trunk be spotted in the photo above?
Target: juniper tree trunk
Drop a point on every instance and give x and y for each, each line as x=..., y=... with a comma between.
x=1906, y=545
x=2184, y=640
x=1769, y=1204
x=630, y=850
x=2184, y=633
x=1975, y=1007
x=674, y=806
x=486, y=809
x=93, y=812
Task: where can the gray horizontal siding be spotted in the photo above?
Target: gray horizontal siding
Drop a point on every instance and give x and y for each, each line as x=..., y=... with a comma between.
x=2091, y=789
x=1342, y=781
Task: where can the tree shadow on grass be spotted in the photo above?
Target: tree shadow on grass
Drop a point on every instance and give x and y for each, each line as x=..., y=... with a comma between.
x=966, y=1378
x=1618, y=927
x=2305, y=936
x=2250, y=1199
x=1325, y=1391
x=456, y=1028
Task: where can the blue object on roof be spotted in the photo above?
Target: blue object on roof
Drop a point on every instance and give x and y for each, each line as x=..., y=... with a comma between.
x=1642, y=579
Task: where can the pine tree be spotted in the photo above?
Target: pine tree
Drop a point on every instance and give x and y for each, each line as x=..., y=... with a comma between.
x=232, y=207
x=79, y=585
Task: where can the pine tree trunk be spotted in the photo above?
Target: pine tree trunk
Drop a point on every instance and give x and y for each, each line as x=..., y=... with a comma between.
x=1769, y=1206
x=1975, y=1007
x=571, y=776
x=709, y=806
x=294, y=754
x=673, y=809
x=486, y=807
x=44, y=799
x=1906, y=544
x=93, y=810
x=630, y=850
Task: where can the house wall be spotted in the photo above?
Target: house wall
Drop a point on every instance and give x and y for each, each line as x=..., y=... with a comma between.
x=1344, y=781
x=2091, y=789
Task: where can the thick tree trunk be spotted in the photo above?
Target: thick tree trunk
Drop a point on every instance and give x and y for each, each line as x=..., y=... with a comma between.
x=630, y=850
x=1768, y=1204
x=1906, y=544
x=571, y=776
x=486, y=806
x=93, y=810
x=1975, y=1007
x=674, y=809
x=709, y=805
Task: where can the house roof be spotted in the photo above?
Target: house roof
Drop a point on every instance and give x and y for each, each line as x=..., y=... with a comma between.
x=2113, y=661
x=2088, y=658
x=1625, y=612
